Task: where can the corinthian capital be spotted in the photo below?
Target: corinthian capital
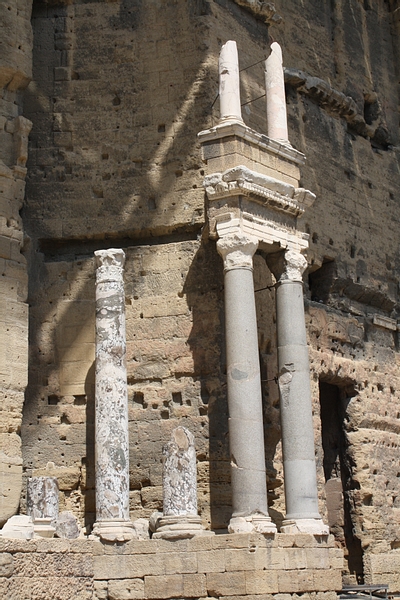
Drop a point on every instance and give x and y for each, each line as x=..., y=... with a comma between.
x=288, y=266
x=237, y=250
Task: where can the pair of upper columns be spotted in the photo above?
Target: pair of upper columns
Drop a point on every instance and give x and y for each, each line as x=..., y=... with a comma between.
x=229, y=90
x=246, y=431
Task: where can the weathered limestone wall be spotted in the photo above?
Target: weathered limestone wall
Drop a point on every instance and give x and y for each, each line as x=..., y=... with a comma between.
x=118, y=97
x=15, y=74
x=227, y=566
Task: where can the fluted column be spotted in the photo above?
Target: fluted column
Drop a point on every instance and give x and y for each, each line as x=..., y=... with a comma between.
x=229, y=83
x=246, y=433
x=275, y=96
x=296, y=408
x=112, y=444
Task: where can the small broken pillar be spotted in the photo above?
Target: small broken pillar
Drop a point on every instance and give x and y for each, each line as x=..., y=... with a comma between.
x=229, y=83
x=42, y=504
x=275, y=96
x=180, y=519
x=298, y=450
x=111, y=420
x=246, y=431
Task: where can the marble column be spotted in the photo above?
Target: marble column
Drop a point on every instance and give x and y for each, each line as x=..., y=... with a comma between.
x=246, y=432
x=42, y=504
x=229, y=83
x=275, y=96
x=111, y=420
x=298, y=450
x=180, y=518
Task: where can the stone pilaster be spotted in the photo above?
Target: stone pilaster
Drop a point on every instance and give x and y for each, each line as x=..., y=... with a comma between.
x=112, y=443
x=296, y=409
x=246, y=434
x=180, y=518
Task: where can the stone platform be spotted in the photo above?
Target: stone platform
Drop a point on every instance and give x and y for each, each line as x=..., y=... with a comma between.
x=232, y=566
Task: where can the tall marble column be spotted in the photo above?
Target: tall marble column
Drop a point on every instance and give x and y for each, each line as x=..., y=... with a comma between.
x=275, y=96
x=246, y=433
x=229, y=83
x=111, y=444
x=296, y=407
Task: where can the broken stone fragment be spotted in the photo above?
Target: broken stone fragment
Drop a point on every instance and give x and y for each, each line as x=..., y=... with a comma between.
x=67, y=527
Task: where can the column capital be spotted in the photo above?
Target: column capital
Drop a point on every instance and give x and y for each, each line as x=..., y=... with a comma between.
x=111, y=257
x=109, y=265
x=288, y=266
x=237, y=250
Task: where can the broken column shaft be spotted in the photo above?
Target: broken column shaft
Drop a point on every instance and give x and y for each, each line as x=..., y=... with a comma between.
x=275, y=96
x=246, y=432
x=296, y=408
x=229, y=83
x=112, y=444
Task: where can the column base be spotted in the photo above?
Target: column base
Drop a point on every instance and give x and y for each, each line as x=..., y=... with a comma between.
x=313, y=526
x=258, y=523
x=43, y=528
x=113, y=531
x=180, y=527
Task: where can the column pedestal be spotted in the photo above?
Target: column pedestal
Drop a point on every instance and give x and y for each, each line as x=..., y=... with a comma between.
x=246, y=431
x=112, y=443
x=301, y=492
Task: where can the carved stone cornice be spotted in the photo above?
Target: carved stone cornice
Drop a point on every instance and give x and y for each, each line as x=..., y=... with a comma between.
x=261, y=10
x=241, y=181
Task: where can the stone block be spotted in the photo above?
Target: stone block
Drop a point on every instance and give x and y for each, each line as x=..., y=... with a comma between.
x=211, y=561
x=6, y=564
x=194, y=586
x=336, y=558
x=180, y=562
x=168, y=586
x=261, y=582
x=288, y=581
x=326, y=581
x=245, y=559
x=317, y=558
x=295, y=558
x=226, y=584
x=126, y=589
x=125, y=565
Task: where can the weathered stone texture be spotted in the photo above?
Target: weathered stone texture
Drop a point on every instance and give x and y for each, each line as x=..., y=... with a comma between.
x=15, y=74
x=118, y=97
x=158, y=569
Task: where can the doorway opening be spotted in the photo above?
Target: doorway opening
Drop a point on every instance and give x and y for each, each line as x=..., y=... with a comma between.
x=340, y=485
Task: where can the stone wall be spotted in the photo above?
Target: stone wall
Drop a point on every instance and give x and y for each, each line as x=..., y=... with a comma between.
x=15, y=74
x=226, y=566
x=120, y=90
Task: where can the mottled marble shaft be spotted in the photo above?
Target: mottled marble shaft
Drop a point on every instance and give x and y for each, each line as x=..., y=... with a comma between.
x=246, y=432
x=42, y=498
x=179, y=474
x=294, y=386
x=112, y=444
x=229, y=83
x=275, y=95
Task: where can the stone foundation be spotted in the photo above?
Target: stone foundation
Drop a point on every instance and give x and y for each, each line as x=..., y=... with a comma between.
x=234, y=566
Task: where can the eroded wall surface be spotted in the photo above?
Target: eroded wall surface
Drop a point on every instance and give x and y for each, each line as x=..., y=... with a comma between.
x=119, y=92
x=15, y=74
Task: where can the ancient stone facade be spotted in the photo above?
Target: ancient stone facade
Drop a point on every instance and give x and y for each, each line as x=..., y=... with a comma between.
x=117, y=93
